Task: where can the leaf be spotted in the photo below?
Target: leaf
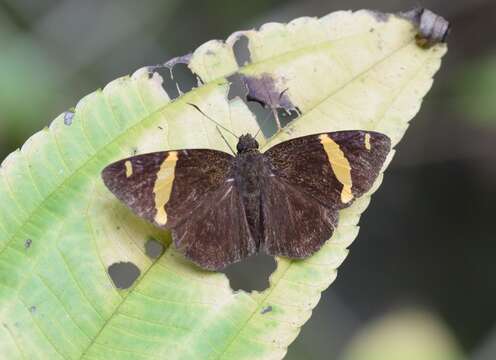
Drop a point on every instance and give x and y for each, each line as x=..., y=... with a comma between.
x=60, y=229
x=404, y=335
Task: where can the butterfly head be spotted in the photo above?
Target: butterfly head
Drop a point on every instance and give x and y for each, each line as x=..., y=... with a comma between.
x=246, y=143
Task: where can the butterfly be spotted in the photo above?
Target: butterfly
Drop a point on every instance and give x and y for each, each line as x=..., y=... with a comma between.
x=222, y=208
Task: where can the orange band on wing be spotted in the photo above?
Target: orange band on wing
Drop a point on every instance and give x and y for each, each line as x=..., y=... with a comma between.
x=340, y=166
x=163, y=186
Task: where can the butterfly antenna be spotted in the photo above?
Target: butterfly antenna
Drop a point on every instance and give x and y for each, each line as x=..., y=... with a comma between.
x=215, y=122
x=225, y=140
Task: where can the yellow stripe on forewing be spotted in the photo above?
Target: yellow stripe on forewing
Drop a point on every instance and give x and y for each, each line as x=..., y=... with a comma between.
x=129, y=168
x=367, y=141
x=163, y=186
x=340, y=166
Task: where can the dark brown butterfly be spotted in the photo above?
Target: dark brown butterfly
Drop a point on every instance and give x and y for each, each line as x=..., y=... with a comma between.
x=222, y=208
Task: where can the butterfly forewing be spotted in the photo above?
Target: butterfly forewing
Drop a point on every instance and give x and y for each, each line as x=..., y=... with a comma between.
x=334, y=168
x=166, y=187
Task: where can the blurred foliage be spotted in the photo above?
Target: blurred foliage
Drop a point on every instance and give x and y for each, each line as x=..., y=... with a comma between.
x=404, y=335
x=29, y=81
x=476, y=91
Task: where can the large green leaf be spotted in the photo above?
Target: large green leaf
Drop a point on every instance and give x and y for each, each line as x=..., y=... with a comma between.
x=60, y=229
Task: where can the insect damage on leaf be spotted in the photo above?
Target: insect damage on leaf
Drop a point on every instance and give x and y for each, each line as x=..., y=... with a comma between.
x=123, y=274
x=268, y=92
x=266, y=310
x=153, y=248
x=242, y=51
x=176, y=75
x=28, y=243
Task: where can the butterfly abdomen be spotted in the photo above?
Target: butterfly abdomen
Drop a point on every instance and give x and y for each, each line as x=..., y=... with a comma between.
x=249, y=169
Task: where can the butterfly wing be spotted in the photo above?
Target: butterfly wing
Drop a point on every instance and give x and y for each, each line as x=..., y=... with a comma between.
x=190, y=192
x=335, y=168
x=295, y=225
x=313, y=177
x=217, y=233
x=166, y=187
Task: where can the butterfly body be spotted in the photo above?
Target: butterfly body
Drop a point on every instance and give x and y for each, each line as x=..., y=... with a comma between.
x=222, y=208
x=250, y=167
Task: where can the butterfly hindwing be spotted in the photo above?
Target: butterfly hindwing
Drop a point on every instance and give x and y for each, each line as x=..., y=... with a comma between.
x=216, y=234
x=295, y=225
x=335, y=168
x=166, y=187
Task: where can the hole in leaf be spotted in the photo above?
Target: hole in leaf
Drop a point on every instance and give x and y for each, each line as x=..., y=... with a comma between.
x=263, y=115
x=241, y=51
x=28, y=243
x=177, y=76
x=169, y=85
x=184, y=77
x=269, y=106
x=286, y=116
x=252, y=273
x=236, y=87
x=123, y=274
x=153, y=248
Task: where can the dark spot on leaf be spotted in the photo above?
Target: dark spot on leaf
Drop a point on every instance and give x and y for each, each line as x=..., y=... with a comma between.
x=123, y=274
x=241, y=51
x=265, y=89
x=265, y=115
x=153, y=248
x=32, y=309
x=266, y=310
x=28, y=243
x=252, y=273
x=160, y=127
x=68, y=117
x=432, y=28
